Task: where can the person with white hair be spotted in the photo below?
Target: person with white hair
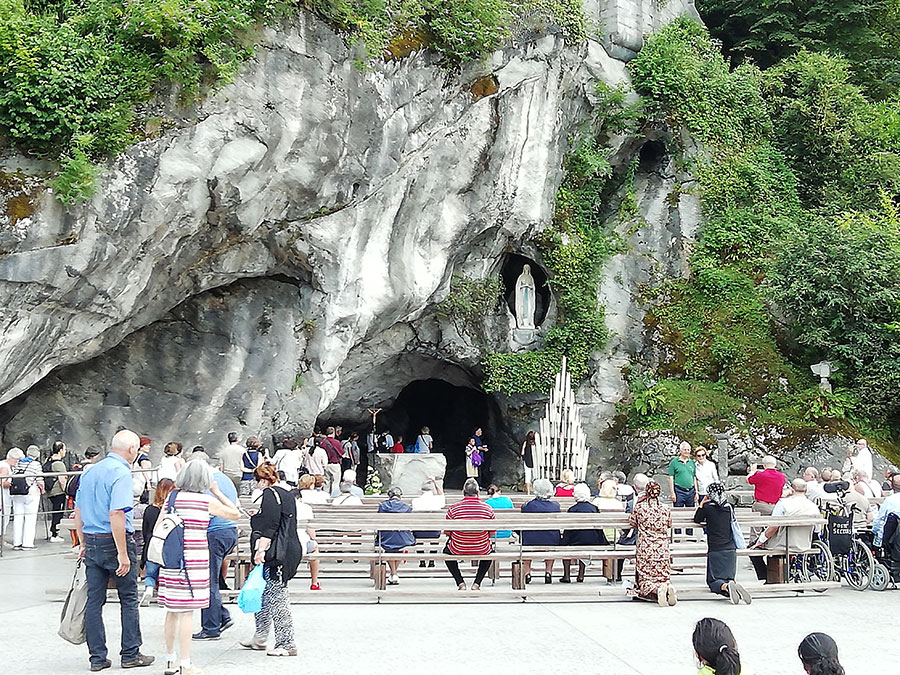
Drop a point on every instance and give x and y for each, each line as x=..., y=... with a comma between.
x=799, y=539
x=470, y=507
x=345, y=496
x=859, y=458
x=768, y=485
x=104, y=523
x=221, y=536
x=186, y=588
x=542, y=503
x=5, y=500
x=870, y=489
x=25, y=489
x=814, y=489
x=587, y=538
x=349, y=477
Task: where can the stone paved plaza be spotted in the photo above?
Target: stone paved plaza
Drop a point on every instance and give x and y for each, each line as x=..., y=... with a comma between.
x=609, y=638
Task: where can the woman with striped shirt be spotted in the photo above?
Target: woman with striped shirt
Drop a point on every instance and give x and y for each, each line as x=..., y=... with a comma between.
x=181, y=591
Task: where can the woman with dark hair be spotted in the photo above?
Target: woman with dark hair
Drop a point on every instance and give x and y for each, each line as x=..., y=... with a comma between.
x=527, y=454
x=819, y=655
x=148, y=522
x=276, y=545
x=652, y=561
x=716, y=648
x=716, y=514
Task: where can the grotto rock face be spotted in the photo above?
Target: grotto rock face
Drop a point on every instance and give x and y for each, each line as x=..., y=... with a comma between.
x=281, y=250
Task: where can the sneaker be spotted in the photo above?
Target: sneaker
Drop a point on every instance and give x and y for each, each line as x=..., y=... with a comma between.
x=103, y=665
x=743, y=593
x=57, y=540
x=172, y=668
x=147, y=596
x=27, y=548
x=141, y=661
x=315, y=587
x=393, y=580
x=733, y=594
x=17, y=547
x=671, y=595
x=203, y=635
x=476, y=587
x=225, y=626
x=254, y=644
x=281, y=651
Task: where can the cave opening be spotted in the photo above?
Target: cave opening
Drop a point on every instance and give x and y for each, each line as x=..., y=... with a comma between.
x=509, y=273
x=651, y=156
x=452, y=413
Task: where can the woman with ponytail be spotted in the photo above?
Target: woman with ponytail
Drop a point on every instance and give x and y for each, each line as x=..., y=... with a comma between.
x=819, y=655
x=716, y=649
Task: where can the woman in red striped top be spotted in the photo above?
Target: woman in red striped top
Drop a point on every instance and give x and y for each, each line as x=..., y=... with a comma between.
x=470, y=507
x=181, y=591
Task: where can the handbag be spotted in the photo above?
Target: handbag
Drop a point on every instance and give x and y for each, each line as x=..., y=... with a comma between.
x=71, y=619
x=250, y=597
x=736, y=535
x=477, y=458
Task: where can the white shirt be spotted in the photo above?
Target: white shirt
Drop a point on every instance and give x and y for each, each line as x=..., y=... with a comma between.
x=707, y=473
x=815, y=491
x=428, y=501
x=314, y=497
x=231, y=456
x=863, y=461
x=347, y=500
x=316, y=462
x=289, y=462
x=800, y=537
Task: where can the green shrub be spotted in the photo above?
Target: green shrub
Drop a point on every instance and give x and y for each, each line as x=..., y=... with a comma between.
x=468, y=303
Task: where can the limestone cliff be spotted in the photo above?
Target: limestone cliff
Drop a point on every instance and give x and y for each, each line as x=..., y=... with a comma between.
x=279, y=253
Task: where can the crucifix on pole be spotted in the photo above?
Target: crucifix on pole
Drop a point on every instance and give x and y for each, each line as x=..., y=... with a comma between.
x=374, y=414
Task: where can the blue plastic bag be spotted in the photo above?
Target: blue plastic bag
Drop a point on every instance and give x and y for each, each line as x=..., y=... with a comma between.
x=250, y=597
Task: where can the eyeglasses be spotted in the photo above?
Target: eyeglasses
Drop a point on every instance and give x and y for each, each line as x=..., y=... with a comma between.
x=700, y=454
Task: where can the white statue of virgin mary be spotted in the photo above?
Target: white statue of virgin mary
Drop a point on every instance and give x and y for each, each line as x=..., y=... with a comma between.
x=525, y=296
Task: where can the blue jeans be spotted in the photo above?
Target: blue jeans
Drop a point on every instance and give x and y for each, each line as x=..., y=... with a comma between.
x=100, y=564
x=221, y=543
x=684, y=498
x=151, y=574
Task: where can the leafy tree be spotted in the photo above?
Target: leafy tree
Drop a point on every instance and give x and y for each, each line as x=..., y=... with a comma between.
x=864, y=31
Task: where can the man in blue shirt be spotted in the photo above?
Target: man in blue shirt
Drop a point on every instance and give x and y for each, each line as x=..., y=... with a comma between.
x=103, y=520
x=888, y=506
x=222, y=535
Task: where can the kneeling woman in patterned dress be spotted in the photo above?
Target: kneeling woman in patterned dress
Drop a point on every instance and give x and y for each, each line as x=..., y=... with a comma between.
x=181, y=591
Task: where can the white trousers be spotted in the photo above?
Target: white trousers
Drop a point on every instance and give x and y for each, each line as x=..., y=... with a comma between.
x=25, y=508
x=6, y=513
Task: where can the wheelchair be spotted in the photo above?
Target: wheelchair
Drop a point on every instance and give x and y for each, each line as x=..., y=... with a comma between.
x=853, y=559
x=886, y=573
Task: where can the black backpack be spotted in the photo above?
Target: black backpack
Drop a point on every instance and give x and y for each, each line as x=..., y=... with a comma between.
x=49, y=481
x=18, y=485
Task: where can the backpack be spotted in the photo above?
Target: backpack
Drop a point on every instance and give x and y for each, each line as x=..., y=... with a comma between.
x=73, y=482
x=166, y=547
x=18, y=485
x=49, y=481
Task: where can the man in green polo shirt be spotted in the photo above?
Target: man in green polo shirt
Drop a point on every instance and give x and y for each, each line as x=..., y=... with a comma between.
x=683, y=477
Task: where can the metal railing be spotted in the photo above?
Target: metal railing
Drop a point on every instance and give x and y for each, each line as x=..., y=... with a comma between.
x=44, y=507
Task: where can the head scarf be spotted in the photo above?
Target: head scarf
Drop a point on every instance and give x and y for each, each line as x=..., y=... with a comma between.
x=716, y=492
x=653, y=490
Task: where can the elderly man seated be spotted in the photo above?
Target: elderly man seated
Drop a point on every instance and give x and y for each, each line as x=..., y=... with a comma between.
x=888, y=506
x=798, y=538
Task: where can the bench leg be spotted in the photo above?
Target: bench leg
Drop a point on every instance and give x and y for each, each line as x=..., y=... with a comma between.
x=517, y=579
x=380, y=575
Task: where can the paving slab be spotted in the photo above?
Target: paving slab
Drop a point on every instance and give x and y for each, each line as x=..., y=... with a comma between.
x=612, y=638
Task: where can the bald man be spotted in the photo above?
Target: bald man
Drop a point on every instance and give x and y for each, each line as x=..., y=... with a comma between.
x=103, y=520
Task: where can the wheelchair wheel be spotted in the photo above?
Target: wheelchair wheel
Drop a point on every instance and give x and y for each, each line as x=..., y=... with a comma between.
x=880, y=577
x=817, y=565
x=859, y=563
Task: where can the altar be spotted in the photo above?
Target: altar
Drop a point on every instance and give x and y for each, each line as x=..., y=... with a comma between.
x=409, y=470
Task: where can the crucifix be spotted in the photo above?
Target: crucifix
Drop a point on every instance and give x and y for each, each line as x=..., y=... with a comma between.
x=374, y=414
